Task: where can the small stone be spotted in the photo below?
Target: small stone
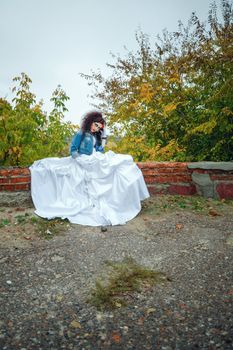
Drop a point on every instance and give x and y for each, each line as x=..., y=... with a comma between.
x=27, y=237
x=102, y=335
x=104, y=229
x=125, y=329
x=117, y=304
x=229, y=240
x=75, y=324
x=59, y=298
x=8, y=282
x=150, y=310
x=99, y=316
x=57, y=258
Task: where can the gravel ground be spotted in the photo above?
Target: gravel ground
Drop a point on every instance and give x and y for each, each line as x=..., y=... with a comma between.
x=45, y=284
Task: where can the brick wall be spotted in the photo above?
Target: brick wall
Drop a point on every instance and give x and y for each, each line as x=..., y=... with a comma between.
x=209, y=179
x=14, y=179
x=168, y=178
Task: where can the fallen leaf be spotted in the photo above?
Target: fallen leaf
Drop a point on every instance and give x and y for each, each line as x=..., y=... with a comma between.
x=213, y=212
x=19, y=209
x=116, y=337
x=141, y=320
x=179, y=226
x=117, y=304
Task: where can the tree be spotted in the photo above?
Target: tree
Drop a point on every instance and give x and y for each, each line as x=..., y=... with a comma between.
x=173, y=101
x=59, y=132
x=26, y=132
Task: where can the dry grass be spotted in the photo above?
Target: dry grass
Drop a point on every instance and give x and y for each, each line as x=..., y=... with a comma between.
x=124, y=278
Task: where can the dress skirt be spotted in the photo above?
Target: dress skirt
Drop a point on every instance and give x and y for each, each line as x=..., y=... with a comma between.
x=96, y=190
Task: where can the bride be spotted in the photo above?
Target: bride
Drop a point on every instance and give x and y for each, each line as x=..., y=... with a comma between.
x=89, y=187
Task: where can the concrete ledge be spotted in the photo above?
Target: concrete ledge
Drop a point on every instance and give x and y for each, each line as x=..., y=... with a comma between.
x=16, y=199
x=226, y=166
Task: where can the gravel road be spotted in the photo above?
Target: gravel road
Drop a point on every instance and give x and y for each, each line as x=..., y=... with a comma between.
x=46, y=284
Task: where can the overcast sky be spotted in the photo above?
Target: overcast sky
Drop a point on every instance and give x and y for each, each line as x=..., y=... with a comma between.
x=54, y=40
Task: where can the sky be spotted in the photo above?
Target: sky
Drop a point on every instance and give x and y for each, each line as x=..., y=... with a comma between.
x=53, y=41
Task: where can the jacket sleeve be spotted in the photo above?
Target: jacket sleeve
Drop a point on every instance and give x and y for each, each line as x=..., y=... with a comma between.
x=99, y=149
x=75, y=144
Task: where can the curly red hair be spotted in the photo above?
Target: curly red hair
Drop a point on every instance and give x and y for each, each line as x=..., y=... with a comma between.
x=92, y=117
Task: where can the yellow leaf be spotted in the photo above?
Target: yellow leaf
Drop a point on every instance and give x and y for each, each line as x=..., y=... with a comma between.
x=170, y=107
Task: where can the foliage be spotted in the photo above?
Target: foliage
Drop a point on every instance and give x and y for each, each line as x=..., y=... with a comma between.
x=27, y=133
x=173, y=101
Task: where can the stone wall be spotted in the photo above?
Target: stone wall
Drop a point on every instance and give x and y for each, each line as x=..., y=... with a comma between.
x=213, y=179
x=208, y=179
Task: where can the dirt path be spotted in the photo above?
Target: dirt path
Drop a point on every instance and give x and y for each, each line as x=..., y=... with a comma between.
x=49, y=270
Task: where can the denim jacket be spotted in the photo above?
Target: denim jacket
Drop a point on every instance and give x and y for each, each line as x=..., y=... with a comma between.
x=83, y=144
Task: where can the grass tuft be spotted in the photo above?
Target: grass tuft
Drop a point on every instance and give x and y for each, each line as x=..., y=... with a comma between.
x=125, y=278
x=4, y=222
x=47, y=229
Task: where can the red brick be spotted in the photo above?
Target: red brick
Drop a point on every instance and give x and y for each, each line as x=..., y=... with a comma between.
x=20, y=171
x=225, y=190
x=12, y=187
x=200, y=171
x=4, y=172
x=4, y=180
x=182, y=190
x=22, y=179
x=7, y=187
x=165, y=171
x=167, y=179
x=225, y=177
x=22, y=187
x=183, y=178
x=14, y=171
x=153, y=190
x=212, y=171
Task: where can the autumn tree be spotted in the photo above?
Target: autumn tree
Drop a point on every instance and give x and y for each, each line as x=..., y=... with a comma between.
x=173, y=101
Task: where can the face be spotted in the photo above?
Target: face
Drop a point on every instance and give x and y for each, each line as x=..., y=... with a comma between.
x=96, y=126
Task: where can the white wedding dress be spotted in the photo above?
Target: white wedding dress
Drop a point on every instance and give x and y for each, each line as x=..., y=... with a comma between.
x=96, y=190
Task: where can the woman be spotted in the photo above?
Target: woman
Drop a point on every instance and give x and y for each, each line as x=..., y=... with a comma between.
x=90, y=187
x=89, y=137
